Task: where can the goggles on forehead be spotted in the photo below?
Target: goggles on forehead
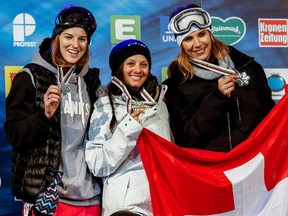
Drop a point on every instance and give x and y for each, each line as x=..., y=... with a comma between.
x=183, y=21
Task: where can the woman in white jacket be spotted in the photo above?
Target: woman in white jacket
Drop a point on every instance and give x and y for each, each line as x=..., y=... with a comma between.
x=133, y=100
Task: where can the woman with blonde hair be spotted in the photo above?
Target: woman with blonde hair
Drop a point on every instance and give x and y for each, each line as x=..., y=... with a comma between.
x=216, y=94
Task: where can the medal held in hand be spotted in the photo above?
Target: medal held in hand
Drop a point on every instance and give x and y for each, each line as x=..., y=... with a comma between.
x=139, y=106
x=64, y=87
x=63, y=80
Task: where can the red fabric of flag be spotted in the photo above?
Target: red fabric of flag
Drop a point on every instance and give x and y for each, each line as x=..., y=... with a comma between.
x=192, y=182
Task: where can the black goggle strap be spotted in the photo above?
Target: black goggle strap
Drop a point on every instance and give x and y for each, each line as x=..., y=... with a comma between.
x=88, y=18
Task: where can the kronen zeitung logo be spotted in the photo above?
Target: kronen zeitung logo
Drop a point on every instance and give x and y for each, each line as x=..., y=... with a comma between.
x=230, y=31
x=273, y=32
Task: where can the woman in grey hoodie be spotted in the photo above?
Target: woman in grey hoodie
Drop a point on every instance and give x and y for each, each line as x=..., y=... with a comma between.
x=47, y=116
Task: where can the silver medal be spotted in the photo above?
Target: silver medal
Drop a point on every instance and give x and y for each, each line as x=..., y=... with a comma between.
x=65, y=88
x=63, y=81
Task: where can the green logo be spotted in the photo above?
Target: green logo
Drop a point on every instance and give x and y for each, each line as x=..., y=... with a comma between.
x=164, y=73
x=124, y=27
x=229, y=31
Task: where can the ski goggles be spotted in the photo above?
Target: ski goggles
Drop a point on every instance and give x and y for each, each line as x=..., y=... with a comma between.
x=183, y=21
x=75, y=16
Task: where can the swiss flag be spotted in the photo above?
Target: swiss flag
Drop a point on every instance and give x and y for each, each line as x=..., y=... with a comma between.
x=249, y=180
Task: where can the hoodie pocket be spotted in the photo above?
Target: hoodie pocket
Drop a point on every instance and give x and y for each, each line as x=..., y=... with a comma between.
x=126, y=191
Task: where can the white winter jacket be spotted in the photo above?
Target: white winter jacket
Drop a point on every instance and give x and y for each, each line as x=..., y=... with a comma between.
x=115, y=157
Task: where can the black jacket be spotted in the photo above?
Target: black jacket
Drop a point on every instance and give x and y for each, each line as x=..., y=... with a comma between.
x=202, y=117
x=36, y=141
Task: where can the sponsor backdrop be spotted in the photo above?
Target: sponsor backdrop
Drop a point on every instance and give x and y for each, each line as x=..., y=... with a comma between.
x=258, y=28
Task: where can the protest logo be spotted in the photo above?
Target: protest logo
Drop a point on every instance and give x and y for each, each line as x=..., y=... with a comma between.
x=229, y=31
x=23, y=26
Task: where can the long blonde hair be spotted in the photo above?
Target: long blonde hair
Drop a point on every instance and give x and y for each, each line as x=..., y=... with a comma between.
x=58, y=59
x=219, y=51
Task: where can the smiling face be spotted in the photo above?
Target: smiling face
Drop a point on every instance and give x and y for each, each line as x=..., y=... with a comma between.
x=135, y=71
x=73, y=44
x=198, y=44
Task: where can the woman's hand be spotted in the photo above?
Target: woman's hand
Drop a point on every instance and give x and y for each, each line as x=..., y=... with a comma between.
x=135, y=114
x=52, y=99
x=226, y=84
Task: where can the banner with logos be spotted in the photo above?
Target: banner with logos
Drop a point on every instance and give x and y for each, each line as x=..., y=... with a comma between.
x=258, y=29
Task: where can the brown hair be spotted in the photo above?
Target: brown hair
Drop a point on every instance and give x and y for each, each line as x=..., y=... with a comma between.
x=112, y=89
x=219, y=51
x=58, y=59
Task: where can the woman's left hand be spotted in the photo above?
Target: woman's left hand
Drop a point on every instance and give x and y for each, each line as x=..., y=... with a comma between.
x=135, y=114
x=226, y=84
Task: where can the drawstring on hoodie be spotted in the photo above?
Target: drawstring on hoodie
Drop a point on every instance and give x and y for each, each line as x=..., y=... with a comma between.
x=228, y=120
x=81, y=104
x=229, y=131
x=238, y=110
x=81, y=100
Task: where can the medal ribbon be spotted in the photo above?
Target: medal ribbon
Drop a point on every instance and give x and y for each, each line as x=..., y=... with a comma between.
x=213, y=67
x=66, y=78
x=243, y=77
x=63, y=81
x=149, y=101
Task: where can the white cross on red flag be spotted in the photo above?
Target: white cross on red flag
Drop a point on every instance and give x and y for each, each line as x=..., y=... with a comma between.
x=250, y=180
